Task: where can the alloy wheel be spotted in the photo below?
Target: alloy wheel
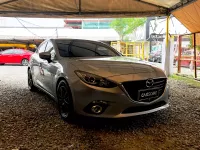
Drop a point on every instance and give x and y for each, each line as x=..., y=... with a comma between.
x=64, y=100
x=31, y=86
x=24, y=62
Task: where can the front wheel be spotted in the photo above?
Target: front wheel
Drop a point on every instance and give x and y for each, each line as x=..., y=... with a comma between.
x=24, y=62
x=31, y=86
x=65, y=102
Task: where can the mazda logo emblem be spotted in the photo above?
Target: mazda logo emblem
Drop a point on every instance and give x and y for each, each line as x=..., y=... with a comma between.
x=149, y=83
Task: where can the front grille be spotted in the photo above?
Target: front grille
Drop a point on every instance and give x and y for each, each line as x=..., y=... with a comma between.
x=133, y=88
x=143, y=108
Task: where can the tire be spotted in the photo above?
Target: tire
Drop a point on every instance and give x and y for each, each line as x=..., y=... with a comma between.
x=159, y=60
x=65, y=102
x=31, y=86
x=24, y=62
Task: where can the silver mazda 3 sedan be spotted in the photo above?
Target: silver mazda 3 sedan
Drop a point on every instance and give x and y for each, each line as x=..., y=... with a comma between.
x=93, y=79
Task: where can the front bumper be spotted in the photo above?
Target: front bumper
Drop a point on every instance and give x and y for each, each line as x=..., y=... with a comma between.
x=118, y=101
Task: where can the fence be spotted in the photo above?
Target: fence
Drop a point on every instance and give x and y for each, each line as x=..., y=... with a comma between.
x=133, y=49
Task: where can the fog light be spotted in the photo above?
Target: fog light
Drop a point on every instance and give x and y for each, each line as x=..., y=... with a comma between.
x=96, y=109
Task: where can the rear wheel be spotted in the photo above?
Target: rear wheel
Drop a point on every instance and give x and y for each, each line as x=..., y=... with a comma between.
x=24, y=62
x=65, y=102
x=31, y=86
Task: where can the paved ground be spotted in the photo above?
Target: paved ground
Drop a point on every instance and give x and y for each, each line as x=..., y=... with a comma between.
x=30, y=120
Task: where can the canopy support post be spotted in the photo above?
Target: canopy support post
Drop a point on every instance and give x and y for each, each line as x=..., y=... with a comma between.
x=79, y=7
x=166, y=60
x=195, y=56
x=179, y=54
x=167, y=32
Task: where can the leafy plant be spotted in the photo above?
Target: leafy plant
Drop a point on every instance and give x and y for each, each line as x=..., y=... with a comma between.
x=125, y=26
x=191, y=45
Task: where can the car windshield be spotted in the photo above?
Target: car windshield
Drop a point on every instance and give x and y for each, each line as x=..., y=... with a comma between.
x=84, y=49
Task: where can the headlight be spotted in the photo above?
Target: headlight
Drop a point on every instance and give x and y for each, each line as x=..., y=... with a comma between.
x=95, y=80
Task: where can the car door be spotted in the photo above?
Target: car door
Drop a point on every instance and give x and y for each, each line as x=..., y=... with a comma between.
x=49, y=68
x=1, y=58
x=37, y=72
x=18, y=56
x=6, y=56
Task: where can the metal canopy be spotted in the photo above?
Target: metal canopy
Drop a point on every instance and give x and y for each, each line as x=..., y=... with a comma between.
x=88, y=8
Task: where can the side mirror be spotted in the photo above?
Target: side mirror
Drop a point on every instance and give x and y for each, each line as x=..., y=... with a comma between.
x=45, y=56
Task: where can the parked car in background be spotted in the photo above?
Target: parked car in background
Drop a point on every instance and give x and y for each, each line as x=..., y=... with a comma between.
x=187, y=59
x=93, y=79
x=155, y=56
x=15, y=56
x=156, y=53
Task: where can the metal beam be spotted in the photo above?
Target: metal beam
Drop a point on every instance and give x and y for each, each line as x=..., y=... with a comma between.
x=195, y=57
x=167, y=32
x=150, y=13
x=181, y=4
x=179, y=54
x=79, y=6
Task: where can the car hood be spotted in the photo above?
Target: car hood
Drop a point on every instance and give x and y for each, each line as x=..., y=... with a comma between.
x=112, y=66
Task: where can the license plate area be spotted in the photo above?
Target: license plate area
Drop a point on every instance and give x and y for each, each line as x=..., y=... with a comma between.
x=146, y=94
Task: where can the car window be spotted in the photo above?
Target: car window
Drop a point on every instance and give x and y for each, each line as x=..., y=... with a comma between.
x=10, y=51
x=51, y=50
x=104, y=51
x=49, y=47
x=18, y=51
x=42, y=47
x=82, y=49
x=63, y=47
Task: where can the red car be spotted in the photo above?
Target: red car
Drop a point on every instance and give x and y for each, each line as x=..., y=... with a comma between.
x=15, y=56
x=187, y=59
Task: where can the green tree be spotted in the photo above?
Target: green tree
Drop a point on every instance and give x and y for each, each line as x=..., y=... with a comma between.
x=125, y=26
x=191, y=45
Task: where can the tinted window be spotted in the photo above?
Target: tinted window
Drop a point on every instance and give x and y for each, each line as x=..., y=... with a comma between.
x=10, y=51
x=42, y=47
x=84, y=49
x=63, y=47
x=102, y=50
